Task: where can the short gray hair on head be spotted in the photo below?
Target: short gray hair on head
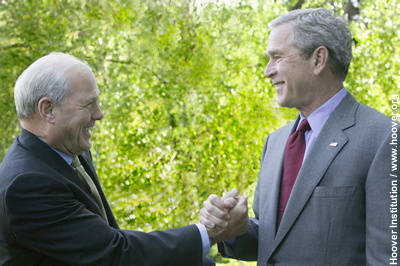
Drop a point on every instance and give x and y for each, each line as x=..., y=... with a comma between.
x=313, y=28
x=46, y=77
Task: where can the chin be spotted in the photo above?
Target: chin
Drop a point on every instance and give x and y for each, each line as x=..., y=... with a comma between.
x=86, y=147
x=281, y=103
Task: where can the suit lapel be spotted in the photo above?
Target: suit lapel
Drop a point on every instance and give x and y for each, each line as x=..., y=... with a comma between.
x=317, y=162
x=46, y=154
x=86, y=162
x=320, y=157
x=89, y=169
x=269, y=182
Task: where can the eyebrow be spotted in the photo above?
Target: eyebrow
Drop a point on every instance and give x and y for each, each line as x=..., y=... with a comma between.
x=97, y=95
x=271, y=53
x=92, y=99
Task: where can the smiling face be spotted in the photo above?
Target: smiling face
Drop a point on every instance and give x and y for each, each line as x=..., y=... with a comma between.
x=73, y=120
x=289, y=71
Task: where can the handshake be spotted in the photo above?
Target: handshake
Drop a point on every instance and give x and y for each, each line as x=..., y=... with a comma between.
x=224, y=218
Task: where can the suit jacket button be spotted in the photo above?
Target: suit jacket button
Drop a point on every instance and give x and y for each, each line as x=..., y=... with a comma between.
x=272, y=262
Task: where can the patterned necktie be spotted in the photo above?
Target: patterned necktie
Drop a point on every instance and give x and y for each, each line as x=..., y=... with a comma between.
x=89, y=184
x=294, y=153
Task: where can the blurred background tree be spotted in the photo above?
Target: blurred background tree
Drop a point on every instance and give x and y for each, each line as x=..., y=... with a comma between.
x=187, y=107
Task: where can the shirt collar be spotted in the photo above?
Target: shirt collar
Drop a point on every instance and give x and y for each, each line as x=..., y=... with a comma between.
x=66, y=157
x=318, y=118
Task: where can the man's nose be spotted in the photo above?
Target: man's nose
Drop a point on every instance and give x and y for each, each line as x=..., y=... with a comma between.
x=98, y=114
x=270, y=70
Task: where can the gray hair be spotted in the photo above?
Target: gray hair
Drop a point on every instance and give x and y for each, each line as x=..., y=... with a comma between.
x=46, y=77
x=313, y=28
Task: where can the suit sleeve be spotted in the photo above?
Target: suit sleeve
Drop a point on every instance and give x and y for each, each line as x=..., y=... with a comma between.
x=381, y=181
x=45, y=216
x=246, y=245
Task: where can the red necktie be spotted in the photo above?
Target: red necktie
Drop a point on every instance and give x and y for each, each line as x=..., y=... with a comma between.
x=294, y=153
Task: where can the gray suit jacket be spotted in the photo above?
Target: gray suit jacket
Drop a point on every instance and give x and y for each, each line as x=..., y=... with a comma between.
x=338, y=211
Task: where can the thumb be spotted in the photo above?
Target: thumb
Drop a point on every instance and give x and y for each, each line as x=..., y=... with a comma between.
x=230, y=194
x=241, y=200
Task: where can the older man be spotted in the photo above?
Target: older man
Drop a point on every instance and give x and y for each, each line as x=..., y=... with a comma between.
x=52, y=208
x=323, y=192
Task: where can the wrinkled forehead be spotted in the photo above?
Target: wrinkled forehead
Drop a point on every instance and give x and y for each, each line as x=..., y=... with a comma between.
x=82, y=78
x=280, y=38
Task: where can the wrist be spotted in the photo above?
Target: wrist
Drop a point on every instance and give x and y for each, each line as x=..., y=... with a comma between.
x=211, y=241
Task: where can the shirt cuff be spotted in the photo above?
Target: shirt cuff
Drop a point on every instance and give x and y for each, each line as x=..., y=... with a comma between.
x=204, y=239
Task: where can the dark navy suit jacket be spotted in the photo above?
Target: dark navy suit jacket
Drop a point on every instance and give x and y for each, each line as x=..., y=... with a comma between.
x=48, y=217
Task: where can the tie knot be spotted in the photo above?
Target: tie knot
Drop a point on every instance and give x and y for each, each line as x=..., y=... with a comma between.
x=304, y=126
x=75, y=161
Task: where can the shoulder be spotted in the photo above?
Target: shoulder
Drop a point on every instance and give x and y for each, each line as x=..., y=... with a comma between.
x=373, y=122
x=372, y=114
x=352, y=114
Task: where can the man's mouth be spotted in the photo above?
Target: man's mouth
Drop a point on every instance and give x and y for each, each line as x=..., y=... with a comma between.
x=88, y=129
x=278, y=83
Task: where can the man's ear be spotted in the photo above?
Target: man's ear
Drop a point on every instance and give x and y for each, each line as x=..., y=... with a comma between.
x=320, y=59
x=46, y=109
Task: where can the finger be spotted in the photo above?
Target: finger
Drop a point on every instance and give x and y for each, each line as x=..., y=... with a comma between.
x=230, y=203
x=241, y=208
x=241, y=200
x=207, y=223
x=212, y=219
x=215, y=202
x=231, y=193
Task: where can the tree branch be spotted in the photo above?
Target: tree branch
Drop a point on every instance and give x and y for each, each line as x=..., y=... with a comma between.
x=14, y=46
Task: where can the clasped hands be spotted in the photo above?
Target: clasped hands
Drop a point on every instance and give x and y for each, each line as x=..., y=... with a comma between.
x=224, y=217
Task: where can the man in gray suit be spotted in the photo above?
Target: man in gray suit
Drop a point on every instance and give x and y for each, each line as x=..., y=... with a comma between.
x=338, y=211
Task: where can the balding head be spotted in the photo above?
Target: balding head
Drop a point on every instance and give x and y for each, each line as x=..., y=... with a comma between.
x=46, y=77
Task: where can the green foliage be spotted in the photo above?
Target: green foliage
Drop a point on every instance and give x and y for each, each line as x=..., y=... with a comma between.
x=187, y=107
